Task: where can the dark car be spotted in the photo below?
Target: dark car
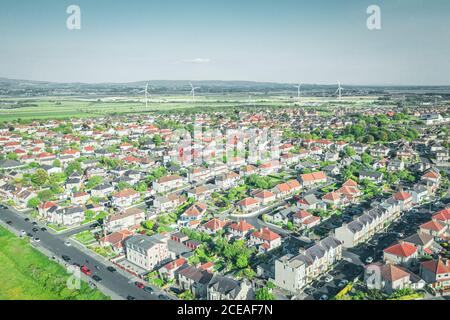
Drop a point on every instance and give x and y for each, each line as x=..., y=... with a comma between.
x=163, y=297
x=9, y=222
x=43, y=229
x=65, y=258
x=309, y=291
x=131, y=298
x=27, y=219
x=111, y=269
x=148, y=290
x=29, y=235
x=35, y=229
x=96, y=278
x=34, y=223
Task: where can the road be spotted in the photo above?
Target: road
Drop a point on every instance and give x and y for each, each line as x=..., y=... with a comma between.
x=113, y=281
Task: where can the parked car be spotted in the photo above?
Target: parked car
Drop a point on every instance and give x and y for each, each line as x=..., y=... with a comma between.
x=27, y=219
x=328, y=278
x=9, y=222
x=343, y=283
x=111, y=269
x=43, y=229
x=148, y=290
x=131, y=298
x=86, y=270
x=323, y=297
x=163, y=297
x=23, y=232
x=96, y=278
x=65, y=258
x=35, y=229
x=369, y=260
x=140, y=285
x=67, y=243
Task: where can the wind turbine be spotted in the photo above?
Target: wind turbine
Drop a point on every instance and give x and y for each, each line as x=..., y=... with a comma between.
x=339, y=90
x=146, y=95
x=298, y=90
x=193, y=91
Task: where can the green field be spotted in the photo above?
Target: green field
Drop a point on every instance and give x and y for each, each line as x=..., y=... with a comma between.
x=26, y=274
x=61, y=108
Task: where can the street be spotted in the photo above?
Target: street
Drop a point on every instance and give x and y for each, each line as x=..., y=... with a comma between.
x=113, y=281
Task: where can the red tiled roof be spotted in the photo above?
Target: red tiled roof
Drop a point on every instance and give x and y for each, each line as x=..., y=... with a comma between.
x=436, y=266
x=401, y=249
x=248, y=202
x=266, y=234
x=402, y=195
x=313, y=176
x=432, y=225
x=242, y=226
x=350, y=183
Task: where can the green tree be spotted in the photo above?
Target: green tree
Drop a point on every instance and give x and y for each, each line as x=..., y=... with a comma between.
x=33, y=203
x=264, y=294
x=40, y=177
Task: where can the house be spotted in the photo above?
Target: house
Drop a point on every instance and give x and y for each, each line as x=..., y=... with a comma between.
x=169, y=270
x=333, y=199
x=115, y=240
x=80, y=197
x=437, y=274
x=310, y=202
x=402, y=253
x=265, y=239
x=434, y=228
x=179, y=237
x=395, y=165
x=309, y=179
x=443, y=217
x=168, y=183
x=225, y=288
x=419, y=193
x=202, y=192
x=405, y=200
x=374, y=176
x=248, y=204
x=68, y=216
x=282, y=216
x=304, y=220
x=125, y=198
x=147, y=251
x=168, y=202
x=240, y=229
x=102, y=190
x=193, y=213
x=386, y=277
x=126, y=220
x=227, y=180
x=195, y=280
x=265, y=197
x=214, y=225
x=422, y=241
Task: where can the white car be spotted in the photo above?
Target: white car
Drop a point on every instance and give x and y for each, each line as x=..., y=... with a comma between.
x=23, y=232
x=67, y=243
x=369, y=260
x=37, y=240
x=323, y=297
x=343, y=283
x=328, y=278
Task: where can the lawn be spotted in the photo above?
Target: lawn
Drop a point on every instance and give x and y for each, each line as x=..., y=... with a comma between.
x=26, y=274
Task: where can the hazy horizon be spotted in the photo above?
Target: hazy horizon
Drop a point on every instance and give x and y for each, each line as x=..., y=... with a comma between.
x=289, y=41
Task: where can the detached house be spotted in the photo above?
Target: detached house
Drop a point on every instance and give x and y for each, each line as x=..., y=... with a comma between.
x=265, y=239
x=125, y=198
x=128, y=219
x=402, y=253
x=309, y=179
x=168, y=183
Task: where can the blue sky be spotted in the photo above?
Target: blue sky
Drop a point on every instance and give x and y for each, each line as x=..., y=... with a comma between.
x=316, y=41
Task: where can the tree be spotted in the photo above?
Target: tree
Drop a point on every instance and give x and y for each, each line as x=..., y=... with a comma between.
x=366, y=158
x=33, y=203
x=12, y=156
x=264, y=294
x=45, y=195
x=40, y=177
x=241, y=261
x=157, y=140
x=349, y=151
x=72, y=167
x=93, y=182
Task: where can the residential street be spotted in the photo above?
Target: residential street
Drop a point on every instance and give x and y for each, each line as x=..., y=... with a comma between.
x=114, y=281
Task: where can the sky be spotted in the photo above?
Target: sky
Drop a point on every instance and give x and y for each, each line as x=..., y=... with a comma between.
x=318, y=41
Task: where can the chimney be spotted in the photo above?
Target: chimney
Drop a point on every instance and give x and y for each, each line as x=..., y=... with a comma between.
x=301, y=250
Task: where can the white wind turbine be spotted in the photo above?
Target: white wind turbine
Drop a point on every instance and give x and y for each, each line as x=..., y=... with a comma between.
x=339, y=90
x=298, y=90
x=146, y=95
x=193, y=91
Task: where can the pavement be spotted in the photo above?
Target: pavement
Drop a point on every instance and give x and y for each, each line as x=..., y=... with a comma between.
x=116, y=282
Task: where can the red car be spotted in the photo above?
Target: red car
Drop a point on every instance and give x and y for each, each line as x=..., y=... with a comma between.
x=140, y=285
x=86, y=270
